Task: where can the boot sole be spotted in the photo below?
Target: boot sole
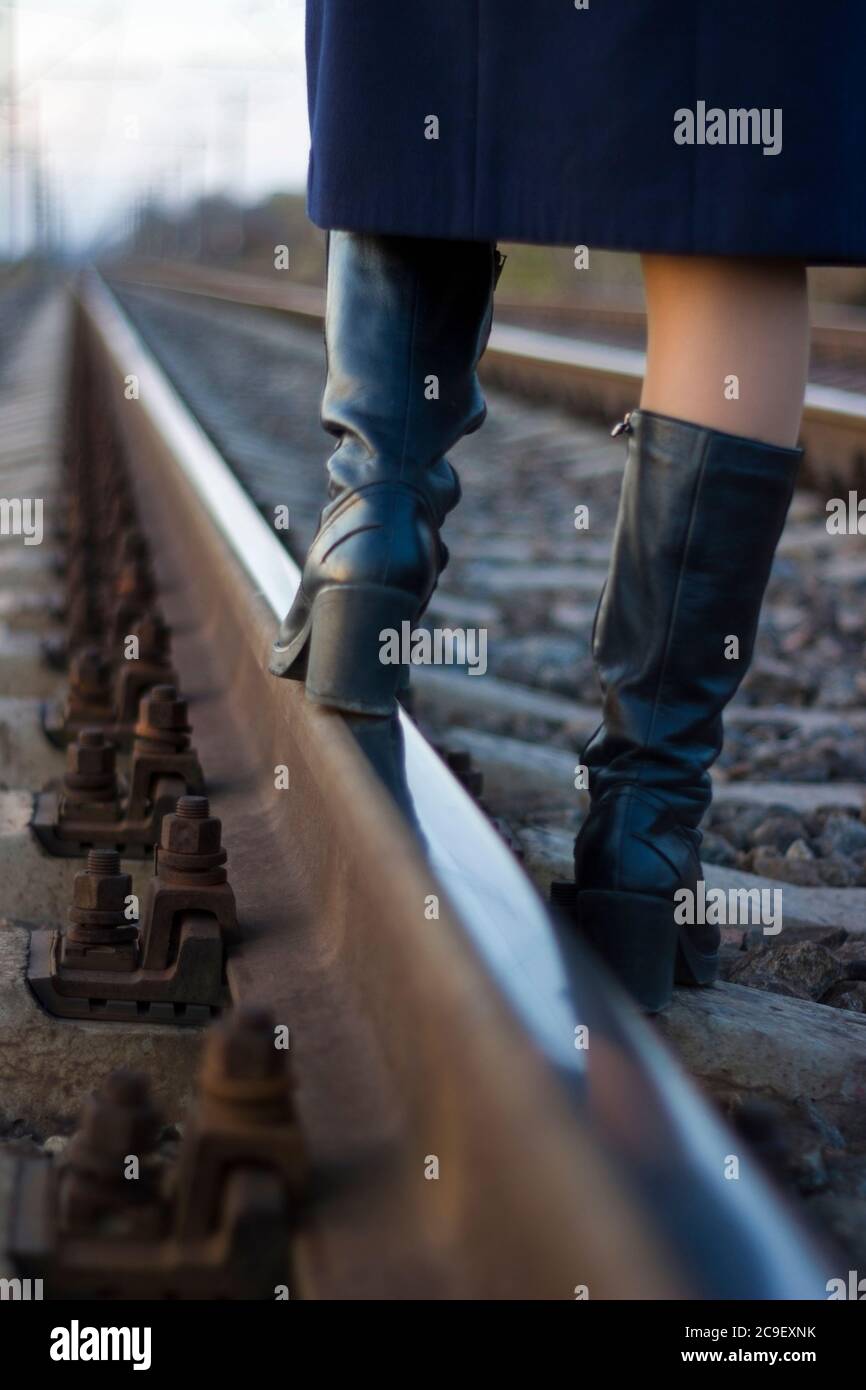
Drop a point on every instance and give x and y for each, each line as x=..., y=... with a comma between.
x=337, y=650
x=636, y=936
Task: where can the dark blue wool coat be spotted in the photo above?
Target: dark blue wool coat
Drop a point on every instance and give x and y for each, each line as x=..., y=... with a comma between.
x=614, y=126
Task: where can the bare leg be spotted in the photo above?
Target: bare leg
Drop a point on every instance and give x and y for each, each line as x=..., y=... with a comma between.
x=728, y=343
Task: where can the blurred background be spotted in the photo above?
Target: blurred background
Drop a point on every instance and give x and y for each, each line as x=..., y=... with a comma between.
x=179, y=131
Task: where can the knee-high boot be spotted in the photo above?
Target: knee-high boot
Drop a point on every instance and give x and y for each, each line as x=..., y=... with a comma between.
x=407, y=320
x=700, y=515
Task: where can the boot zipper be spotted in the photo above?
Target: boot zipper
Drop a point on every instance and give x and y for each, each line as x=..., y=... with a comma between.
x=624, y=426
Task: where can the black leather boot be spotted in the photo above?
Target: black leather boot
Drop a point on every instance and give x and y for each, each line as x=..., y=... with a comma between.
x=699, y=518
x=407, y=320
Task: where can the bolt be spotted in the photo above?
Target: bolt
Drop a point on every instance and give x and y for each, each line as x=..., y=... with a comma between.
x=99, y=900
x=191, y=841
x=163, y=720
x=120, y=1120
x=154, y=638
x=91, y=768
x=90, y=676
x=244, y=1118
x=128, y=597
x=243, y=1070
x=123, y=616
x=116, y=1123
x=99, y=936
x=103, y=861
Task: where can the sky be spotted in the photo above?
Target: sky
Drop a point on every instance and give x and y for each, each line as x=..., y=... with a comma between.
x=117, y=99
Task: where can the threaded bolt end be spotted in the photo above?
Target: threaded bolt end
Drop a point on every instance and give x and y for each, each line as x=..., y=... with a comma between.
x=103, y=861
x=193, y=807
x=163, y=694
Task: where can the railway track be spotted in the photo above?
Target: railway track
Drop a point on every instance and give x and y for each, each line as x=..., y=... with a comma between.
x=787, y=816
x=462, y=1068
x=590, y=360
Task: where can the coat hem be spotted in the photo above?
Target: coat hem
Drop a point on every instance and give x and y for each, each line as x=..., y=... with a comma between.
x=599, y=237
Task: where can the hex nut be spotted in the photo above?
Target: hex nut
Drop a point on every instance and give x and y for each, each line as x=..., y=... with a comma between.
x=183, y=835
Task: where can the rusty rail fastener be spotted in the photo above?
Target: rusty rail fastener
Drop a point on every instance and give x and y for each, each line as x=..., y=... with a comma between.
x=190, y=880
x=129, y=598
x=101, y=935
x=245, y=1108
x=164, y=765
x=88, y=809
x=89, y=699
x=90, y=792
x=134, y=678
x=218, y=1225
x=169, y=968
x=128, y=576
x=94, y=1197
x=105, y=687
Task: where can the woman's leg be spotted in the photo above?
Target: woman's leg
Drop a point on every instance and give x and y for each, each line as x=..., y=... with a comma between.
x=706, y=490
x=728, y=343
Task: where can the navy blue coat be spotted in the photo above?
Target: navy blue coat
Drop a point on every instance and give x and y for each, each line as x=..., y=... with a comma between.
x=613, y=126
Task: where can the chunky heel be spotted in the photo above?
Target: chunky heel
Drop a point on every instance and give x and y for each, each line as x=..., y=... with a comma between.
x=636, y=936
x=345, y=668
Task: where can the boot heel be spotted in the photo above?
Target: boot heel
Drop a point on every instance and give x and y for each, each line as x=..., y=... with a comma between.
x=344, y=668
x=636, y=936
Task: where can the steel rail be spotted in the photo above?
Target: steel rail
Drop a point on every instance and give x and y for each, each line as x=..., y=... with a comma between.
x=566, y=1158
x=589, y=378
